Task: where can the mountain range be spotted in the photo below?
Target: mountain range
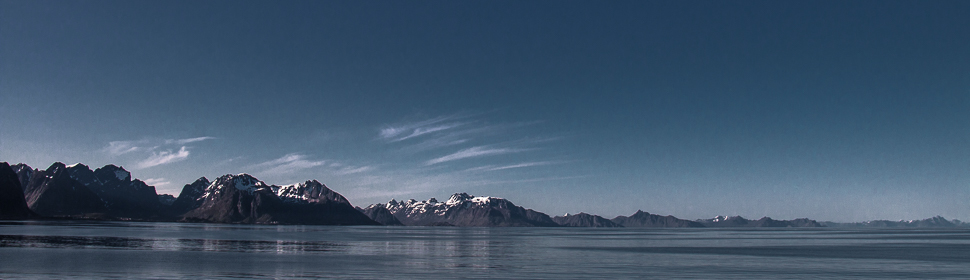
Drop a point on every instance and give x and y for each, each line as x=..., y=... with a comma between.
x=110, y=193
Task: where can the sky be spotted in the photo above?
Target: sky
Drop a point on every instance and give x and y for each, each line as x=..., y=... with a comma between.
x=831, y=110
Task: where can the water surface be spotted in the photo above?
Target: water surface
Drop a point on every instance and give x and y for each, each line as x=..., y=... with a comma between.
x=72, y=249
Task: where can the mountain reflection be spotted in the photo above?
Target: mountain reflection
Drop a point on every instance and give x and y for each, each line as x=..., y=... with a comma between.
x=129, y=243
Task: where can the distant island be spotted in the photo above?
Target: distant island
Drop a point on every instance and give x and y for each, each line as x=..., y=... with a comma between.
x=109, y=193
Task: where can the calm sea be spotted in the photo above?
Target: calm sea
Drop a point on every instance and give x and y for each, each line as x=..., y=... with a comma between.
x=65, y=250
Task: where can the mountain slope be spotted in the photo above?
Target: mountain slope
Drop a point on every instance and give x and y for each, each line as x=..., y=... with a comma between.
x=381, y=215
x=584, y=220
x=53, y=192
x=190, y=197
x=123, y=196
x=644, y=219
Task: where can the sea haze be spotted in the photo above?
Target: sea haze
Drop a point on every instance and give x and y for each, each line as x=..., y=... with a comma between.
x=83, y=250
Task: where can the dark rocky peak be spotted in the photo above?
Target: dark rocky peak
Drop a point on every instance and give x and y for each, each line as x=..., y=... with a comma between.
x=166, y=199
x=55, y=168
x=644, y=219
x=380, y=214
x=53, y=192
x=584, y=220
x=24, y=173
x=190, y=197
x=140, y=185
x=195, y=189
x=13, y=204
x=111, y=172
x=82, y=173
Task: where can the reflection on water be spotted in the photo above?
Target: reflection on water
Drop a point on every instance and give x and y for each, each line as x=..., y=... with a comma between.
x=210, y=245
x=80, y=250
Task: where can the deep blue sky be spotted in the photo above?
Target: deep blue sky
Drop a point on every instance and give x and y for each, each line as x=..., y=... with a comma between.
x=831, y=110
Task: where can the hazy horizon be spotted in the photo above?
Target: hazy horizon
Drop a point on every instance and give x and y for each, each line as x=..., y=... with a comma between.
x=826, y=110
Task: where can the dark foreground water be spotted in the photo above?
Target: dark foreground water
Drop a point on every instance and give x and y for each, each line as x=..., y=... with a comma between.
x=62, y=250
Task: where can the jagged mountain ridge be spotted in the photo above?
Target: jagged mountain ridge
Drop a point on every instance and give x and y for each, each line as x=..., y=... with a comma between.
x=463, y=209
x=584, y=220
x=123, y=196
x=933, y=222
x=738, y=221
x=110, y=192
x=53, y=192
x=242, y=198
x=644, y=219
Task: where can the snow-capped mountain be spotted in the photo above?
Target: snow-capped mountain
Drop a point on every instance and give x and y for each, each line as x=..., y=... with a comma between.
x=462, y=209
x=310, y=191
x=242, y=198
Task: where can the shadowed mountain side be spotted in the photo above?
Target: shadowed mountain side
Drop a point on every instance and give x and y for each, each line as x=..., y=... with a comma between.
x=53, y=192
x=190, y=197
x=13, y=205
x=381, y=215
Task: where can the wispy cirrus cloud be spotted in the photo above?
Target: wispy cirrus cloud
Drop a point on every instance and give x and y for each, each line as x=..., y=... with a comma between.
x=157, y=182
x=287, y=164
x=294, y=163
x=404, y=131
x=156, y=152
x=188, y=140
x=353, y=170
x=513, y=166
x=164, y=157
x=117, y=148
x=477, y=151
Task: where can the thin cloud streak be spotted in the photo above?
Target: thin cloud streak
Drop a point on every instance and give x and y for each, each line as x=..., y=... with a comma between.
x=520, y=165
x=117, y=148
x=472, y=152
x=157, y=182
x=422, y=131
x=188, y=140
x=287, y=164
x=165, y=157
x=353, y=170
x=394, y=132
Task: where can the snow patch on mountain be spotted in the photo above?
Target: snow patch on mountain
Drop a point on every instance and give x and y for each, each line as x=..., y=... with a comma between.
x=122, y=174
x=413, y=207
